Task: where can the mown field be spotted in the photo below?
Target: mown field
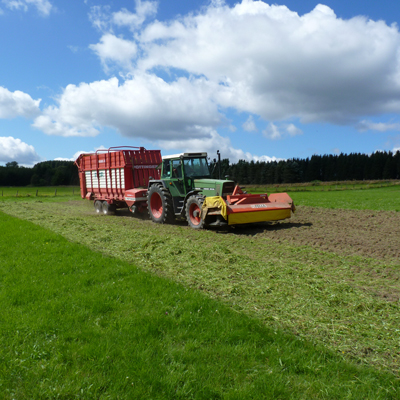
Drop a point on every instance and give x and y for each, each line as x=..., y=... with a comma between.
x=100, y=306
x=39, y=191
x=374, y=195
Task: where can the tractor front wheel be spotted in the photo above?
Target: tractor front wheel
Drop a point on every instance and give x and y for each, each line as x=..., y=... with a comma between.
x=193, y=212
x=159, y=203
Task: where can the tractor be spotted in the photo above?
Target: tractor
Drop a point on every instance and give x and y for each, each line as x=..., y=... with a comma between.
x=186, y=190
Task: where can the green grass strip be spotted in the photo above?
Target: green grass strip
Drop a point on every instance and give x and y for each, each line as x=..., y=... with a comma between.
x=357, y=197
x=384, y=199
x=39, y=191
x=77, y=324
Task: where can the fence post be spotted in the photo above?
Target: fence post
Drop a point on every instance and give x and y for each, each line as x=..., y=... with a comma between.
x=36, y=192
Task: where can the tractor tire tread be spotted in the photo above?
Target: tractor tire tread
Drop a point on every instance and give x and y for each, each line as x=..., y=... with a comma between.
x=198, y=200
x=167, y=214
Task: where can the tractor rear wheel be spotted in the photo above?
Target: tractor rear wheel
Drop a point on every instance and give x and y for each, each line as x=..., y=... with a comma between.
x=193, y=212
x=159, y=203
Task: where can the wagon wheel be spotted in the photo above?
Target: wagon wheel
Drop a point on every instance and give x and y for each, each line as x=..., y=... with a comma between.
x=98, y=206
x=107, y=208
x=193, y=212
x=159, y=202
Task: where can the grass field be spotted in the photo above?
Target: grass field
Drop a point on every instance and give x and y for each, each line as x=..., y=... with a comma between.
x=355, y=197
x=319, y=186
x=117, y=307
x=387, y=198
x=76, y=324
x=40, y=191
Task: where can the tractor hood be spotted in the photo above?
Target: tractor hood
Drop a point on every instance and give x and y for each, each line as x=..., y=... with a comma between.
x=214, y=187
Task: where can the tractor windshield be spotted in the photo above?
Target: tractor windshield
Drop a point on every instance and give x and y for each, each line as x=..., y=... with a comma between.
x=196, y=168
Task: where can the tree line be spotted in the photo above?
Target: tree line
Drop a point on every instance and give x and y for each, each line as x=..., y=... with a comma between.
x=343, y=167
x=46, y=173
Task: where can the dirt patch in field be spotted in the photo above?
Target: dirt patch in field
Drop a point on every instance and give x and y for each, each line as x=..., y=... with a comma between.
x=365, y=233
x=373, y=234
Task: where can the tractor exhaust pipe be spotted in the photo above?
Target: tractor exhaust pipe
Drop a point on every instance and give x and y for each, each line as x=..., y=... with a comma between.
x=219, y=164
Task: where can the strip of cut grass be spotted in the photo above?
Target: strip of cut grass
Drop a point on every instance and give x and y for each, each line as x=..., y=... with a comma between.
x=384, y=199
x=78, y=324
x=359, y=196
x=40, y=191
x=364, y=198
x=318, y=186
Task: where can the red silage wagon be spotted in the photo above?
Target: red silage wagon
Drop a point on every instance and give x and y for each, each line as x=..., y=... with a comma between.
x=118, y=177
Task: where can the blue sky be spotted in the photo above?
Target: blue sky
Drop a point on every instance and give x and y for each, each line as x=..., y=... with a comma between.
x=255, y=80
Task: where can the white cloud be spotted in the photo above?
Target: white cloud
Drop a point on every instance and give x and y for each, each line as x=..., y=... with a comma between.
x=74, y=49
x=112, y=49
x=275, y=132
x=253, y=57
x=14, y=104
x=78, y=153
x=232, y=128
x=144, y=10
x=272, y=132
x=395, y=150
x=100, y=18
x=145, y=106
x=365, y=125
x=210, y=143
x=12, y=149
x=104, y=20
x=279, y=65
x=250, y=125
x=44, y=7
x=293, y=130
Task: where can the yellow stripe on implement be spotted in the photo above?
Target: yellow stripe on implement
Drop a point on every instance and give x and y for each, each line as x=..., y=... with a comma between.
x=215, y=202
x=258, y=216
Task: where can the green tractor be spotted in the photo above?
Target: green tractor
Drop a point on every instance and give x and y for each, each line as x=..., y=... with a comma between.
x=180, y=193
x=186, y=190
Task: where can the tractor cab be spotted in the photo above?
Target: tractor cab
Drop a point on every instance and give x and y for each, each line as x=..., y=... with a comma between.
x=179, y=172
x=188, y=173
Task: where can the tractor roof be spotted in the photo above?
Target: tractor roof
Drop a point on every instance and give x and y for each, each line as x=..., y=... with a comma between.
x=185, y=155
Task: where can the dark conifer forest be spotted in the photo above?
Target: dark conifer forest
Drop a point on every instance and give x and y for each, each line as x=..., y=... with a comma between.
x=46, y=173
x=326, y=168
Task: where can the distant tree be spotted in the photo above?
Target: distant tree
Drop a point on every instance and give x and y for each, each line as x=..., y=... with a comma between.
x=378, y=163
x=269, y=173
x=12, y=164
x=60, y=176
x=389, y=169
x=396, y=158
x=291, y=172
x=225, y=167
x=35, y=180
